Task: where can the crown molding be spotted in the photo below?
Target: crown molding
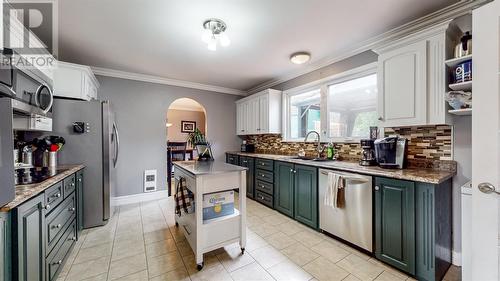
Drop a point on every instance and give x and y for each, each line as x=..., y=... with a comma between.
x=458, y=9
x=165, y=81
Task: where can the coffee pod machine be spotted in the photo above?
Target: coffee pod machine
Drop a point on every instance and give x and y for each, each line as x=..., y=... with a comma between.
x=368, y=155
x=391, y=152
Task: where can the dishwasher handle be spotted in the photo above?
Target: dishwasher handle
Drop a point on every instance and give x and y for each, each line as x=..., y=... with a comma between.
x=348, y=177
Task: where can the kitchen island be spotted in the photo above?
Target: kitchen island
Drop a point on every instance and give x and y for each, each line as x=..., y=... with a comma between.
x=203, y=178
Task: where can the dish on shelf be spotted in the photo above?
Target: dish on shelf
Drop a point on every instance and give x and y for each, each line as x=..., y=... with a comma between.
x=459, y=99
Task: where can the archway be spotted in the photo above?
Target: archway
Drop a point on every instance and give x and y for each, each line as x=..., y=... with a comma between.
x=183, y=116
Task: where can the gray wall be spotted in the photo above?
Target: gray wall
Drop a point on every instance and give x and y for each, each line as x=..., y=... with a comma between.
x=141, y=117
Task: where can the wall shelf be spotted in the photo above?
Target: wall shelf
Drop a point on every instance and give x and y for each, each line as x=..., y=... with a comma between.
x=455, y=61
x=461, y=112
x=464, y=86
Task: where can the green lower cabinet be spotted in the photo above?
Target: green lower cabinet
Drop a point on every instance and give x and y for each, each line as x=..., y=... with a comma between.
x=29, y=234
x=232, y=159
x=395, y=223
x=5, y=247
x=249, y=162
x=433, y=231
x=306, y=195
x=284, y=178
x=79, y=201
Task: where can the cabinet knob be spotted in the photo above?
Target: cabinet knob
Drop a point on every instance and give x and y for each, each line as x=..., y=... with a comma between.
x=47, y=207
x=380, y=118
x=79, y=180
x=72, y=209
x=291, y=170
x=57, y=195
x=57, y=226
x=73, y=184
x=72, y=238
x=57, y=262
x=377, y=188
x=294, y=171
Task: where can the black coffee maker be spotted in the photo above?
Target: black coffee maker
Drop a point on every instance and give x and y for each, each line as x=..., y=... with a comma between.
x=391, y=152
x=368, y=154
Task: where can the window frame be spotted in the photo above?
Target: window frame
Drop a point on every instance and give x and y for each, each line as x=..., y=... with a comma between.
x=323, y=85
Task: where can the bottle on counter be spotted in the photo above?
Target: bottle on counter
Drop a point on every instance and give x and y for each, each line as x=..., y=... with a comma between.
x=330, y=151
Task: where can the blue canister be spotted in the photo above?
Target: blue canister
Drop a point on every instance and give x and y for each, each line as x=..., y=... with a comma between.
x=463, y=72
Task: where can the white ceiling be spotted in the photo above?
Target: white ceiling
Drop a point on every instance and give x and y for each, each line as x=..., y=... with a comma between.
x=163, y=37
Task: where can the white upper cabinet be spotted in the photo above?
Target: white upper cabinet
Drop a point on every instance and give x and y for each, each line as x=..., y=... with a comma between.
x=403, y=86
x=259, y=113
x=412, y=78
x=75, y=81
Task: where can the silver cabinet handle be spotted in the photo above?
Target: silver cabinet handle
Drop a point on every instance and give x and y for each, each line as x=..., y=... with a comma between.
x=377, y=187
x=486, y=187
x=294, y=171
x=57, y=195
x=79, y=180
x=73, y=184
x=57, y=262
x=72, y=238
x=291, y=170
x=56, y=226
x=380, y=118
x=72, y=209
x=47, y=207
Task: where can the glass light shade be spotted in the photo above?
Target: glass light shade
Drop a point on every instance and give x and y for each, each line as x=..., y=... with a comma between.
x=300, y=58
x=207, y=35
x=224, y=40
x=212, y=44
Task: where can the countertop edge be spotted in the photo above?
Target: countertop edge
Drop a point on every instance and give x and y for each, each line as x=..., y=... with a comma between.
x=385, y=173
x=42, y=187
x=195, y=173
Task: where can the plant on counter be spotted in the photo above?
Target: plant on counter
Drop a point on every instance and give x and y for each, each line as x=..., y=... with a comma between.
x=198, y=140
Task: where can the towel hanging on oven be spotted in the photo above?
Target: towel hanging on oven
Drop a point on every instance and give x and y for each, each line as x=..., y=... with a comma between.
x=183, y=197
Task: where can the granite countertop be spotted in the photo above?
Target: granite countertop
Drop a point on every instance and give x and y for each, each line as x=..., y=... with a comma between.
x=208, y=167
x=432, y=176
x=28, y=191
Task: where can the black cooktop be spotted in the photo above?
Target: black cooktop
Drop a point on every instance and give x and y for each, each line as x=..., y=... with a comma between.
x=35, y=175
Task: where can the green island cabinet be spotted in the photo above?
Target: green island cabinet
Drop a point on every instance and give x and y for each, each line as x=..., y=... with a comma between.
x=232, y=159
x=249, y=162
x=413, y=226
x=296, y=192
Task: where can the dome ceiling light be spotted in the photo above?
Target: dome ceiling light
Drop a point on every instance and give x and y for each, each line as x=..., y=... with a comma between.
x=215, y=33
x=300, y=57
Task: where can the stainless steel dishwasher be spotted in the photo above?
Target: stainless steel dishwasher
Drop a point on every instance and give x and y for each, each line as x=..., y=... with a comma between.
x=354, y=222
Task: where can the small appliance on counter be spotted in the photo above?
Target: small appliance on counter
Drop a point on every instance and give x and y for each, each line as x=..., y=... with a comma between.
x=368, y=156
x=391, y=152
x=247, y=147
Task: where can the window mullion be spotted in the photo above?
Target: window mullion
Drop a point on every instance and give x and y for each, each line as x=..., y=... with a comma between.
x=324, y=112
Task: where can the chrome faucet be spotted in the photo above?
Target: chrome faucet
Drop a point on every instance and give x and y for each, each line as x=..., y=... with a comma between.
x=319, y=148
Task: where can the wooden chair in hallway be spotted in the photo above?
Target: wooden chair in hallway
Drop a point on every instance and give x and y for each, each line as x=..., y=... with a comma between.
x=176, y=151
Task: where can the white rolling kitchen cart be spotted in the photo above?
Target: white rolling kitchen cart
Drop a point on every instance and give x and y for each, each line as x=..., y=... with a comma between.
x=204, y=178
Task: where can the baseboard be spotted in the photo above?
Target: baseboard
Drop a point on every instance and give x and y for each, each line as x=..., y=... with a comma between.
x=456, y=258
x=137, y=198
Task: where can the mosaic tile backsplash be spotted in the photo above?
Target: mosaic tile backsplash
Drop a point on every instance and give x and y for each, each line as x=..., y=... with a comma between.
x=424, y=143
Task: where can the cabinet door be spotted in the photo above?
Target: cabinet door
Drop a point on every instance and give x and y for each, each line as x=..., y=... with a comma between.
x=30, y=233
x=249, y=162
x=79, y=202
x=283, y=187
x=395, y=223
x=306, y=195
x=253, y=116
x=242, y=118
x=403, y=86
x=5, y=244
x=263, y=127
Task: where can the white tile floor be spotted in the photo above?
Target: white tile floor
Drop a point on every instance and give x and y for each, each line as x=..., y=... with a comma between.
x=141, y=242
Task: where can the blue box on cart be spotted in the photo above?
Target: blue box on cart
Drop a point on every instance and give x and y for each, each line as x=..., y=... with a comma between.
x=216, y=205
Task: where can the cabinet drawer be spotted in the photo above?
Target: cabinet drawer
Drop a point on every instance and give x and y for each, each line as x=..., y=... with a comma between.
x=264, y=175
x=55, y=261
x=54, y=196
x=59, y=219
x=264, y=187
x=232, y=159
x=264, y=198
x=69, y=185
x=265, y=164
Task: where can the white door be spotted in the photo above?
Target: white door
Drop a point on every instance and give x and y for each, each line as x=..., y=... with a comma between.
x=263, y=114
x=241, y=118
x=403, y=86
x=486, y=142
x=253, y=116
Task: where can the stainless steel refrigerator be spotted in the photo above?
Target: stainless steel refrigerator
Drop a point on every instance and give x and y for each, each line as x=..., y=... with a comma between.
x=96, y=146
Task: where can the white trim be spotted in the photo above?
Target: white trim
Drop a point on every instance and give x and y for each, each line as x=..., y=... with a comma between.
x=137, y=198
x=456, y=258
x=165, y=81
x=459, y=9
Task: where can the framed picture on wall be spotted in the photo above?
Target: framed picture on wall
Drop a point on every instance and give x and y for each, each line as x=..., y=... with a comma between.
x=188, y=126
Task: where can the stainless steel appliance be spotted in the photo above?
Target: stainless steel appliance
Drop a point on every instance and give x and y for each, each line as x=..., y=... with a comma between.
x=247, y=147
x=353, y=222
x=97, y=147
x=391, y=152
x=7, y=189
x=30, y=91
x=368, y=156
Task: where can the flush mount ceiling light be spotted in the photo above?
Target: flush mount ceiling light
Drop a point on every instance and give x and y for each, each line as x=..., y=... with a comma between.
x=300, y=57
x=215, y=33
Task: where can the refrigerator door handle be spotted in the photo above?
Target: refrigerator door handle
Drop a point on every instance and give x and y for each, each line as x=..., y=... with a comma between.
x=117, y=144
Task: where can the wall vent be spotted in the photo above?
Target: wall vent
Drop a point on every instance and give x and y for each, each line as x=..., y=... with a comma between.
x=149, y=180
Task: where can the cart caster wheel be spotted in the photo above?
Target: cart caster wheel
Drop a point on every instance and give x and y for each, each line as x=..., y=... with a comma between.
x=242, y=251
x=176, y=224
x=200, y=266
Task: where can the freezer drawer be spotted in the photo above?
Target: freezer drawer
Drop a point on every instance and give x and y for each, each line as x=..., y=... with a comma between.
x=354, y=222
